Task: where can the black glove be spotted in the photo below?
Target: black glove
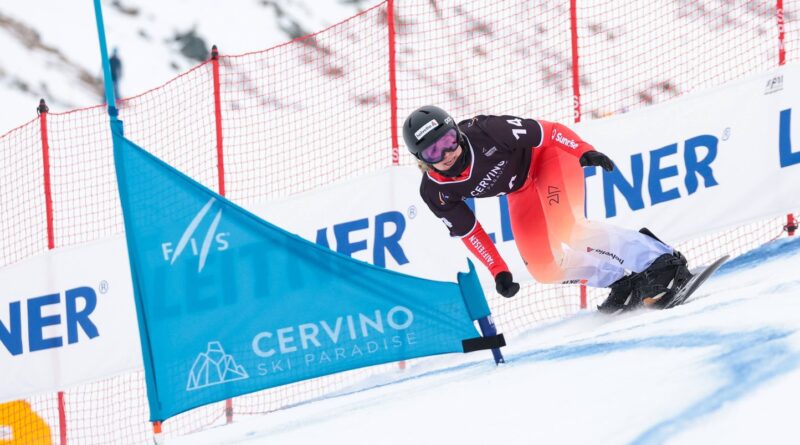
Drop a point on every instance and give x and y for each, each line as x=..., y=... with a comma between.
x=505, y=284
x=596, y=158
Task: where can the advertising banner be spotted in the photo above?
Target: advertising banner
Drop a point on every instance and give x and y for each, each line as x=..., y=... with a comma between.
x=691, y=166
x=686, y=168
x=703, y=162
x=66, y=317
x=230, y=304
x=381, y=219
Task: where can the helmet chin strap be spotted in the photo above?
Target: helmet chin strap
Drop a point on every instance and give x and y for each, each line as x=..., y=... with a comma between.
x=458, y=167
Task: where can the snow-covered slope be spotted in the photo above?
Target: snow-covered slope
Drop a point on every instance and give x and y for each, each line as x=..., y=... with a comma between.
x=722, y=368
x=50, y=47
x=631, y=50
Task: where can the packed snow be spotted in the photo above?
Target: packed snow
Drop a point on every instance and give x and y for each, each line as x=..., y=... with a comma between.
x=722, y=368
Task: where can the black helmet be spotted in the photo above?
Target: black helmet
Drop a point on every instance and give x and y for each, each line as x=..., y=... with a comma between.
x=426, y=125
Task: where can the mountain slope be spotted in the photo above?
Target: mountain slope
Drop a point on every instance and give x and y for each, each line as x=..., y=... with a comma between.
x=50, y=47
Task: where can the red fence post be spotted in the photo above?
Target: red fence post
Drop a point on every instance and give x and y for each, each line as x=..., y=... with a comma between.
x=576, y=90
x=781, y=29
x=158, y=439
x=48, y=197
x=220, y=164
x=42, y=110
x=62, y=418
x=218, y=119
x=393, y=98
x=791, y=224
x=392, y=82
x=584, y=303
x=576, y=86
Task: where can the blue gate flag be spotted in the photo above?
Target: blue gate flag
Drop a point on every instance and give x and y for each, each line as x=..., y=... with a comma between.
x=228, y=303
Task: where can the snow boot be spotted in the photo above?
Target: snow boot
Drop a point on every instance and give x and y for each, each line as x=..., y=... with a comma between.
x=661, y=280
x=620, y=295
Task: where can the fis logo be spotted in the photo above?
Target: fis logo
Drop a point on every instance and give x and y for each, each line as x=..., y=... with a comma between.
x=561, y=139
x=774, y=85
x=211, y=239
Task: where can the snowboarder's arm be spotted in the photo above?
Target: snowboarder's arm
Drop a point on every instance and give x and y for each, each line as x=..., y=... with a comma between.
x=479, y=243
x=461, y=221
x=459, y=218
x=560, y=136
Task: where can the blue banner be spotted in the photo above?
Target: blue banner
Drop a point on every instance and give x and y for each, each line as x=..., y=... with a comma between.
x=229, y=304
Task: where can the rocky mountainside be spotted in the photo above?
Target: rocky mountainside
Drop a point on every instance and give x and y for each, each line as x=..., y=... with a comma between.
x=50, y=47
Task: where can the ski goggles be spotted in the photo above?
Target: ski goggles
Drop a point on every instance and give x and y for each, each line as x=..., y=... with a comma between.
x=435, y=152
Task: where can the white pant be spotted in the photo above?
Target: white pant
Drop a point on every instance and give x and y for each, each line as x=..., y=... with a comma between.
x=602, y=254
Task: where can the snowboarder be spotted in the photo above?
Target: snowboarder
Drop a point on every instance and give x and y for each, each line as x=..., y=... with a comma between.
x=538, y=164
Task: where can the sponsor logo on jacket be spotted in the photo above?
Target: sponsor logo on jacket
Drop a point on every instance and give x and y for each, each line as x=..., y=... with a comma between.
x=490, y=179
x=563, y=140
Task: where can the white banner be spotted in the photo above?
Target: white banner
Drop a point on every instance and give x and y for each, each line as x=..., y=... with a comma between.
x=381, y=219
x=685, y=168
x=67, y=317
x=688, y=167
x=703, y=162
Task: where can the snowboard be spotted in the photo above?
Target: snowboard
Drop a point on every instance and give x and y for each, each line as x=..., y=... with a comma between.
x=690, y=287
